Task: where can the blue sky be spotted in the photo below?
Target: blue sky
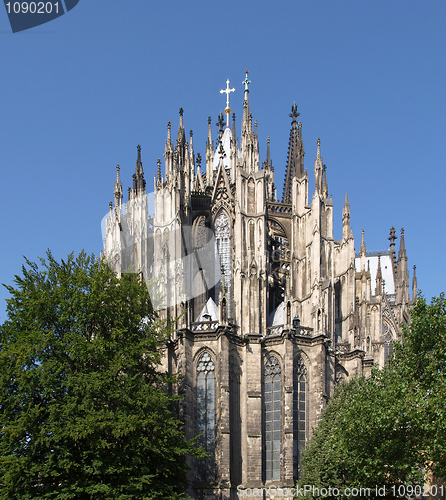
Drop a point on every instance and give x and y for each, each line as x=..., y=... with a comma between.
x=80, y=93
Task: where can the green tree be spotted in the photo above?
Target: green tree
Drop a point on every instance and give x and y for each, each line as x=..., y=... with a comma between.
x=390, y=428
x=365, y=438
x=84, y=412
x=420, y=360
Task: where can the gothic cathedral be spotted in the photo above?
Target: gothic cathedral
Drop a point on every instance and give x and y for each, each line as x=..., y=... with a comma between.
x=270, y=311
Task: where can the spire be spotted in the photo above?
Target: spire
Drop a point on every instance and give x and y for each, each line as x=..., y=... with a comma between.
x=318, y=169
x=379, y=278
x=268, y=155
x=139, y=184
x=346, y=218
x=392, y=239
x=209, y=155
x=402, y=273
x=118, y=187
x=181, y=138
x=414, y=283
x=245, y=121
x=324, y=182
x=158, y=174
x=191, y=146
x=209, y=141
x=168, y=150
x=402, y=252
x=295, y=161
x=234, y=136
x=220, y=124
x=169, y=133
x=362, y=250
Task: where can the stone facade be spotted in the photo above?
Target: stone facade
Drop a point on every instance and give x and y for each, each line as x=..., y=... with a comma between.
x=270, y=311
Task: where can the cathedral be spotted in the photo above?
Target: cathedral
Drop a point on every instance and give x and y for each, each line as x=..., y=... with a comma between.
x=269, y=311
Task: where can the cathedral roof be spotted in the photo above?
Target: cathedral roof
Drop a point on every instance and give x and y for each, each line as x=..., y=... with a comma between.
x=386, y=270
x=210, y=309
x=277, y=317
x=226, y=143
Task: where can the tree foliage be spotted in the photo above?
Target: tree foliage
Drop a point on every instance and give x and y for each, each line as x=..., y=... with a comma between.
x=84, y=412
x=421, y=361
x=387, y=429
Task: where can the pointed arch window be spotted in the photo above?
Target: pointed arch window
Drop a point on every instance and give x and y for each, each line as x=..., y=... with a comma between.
x=206, y=414
x=223, y=254
x=272, y=418
x=299, y=413
x=388, y=342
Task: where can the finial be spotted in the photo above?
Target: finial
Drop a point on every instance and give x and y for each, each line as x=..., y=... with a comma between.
x=318, y=148
x=392, y=236
x=139, y=152
x=181, y=118
x=198, y=160
x=220, y=123
x=118, y=177
x=294, y=113
x=181, y=111
x=246, y=82
x=169, y=136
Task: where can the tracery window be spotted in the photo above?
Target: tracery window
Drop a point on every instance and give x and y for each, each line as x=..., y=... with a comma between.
x=388, y=342
x=223, y=252
x=206, y=414
x=299, y=413
x=272, y=418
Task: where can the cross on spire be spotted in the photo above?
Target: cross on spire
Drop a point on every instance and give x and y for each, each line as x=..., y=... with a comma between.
x=246, y=82
x=227, y=91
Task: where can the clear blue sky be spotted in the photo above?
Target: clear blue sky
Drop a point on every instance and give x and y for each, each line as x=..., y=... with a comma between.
x=80, y=93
